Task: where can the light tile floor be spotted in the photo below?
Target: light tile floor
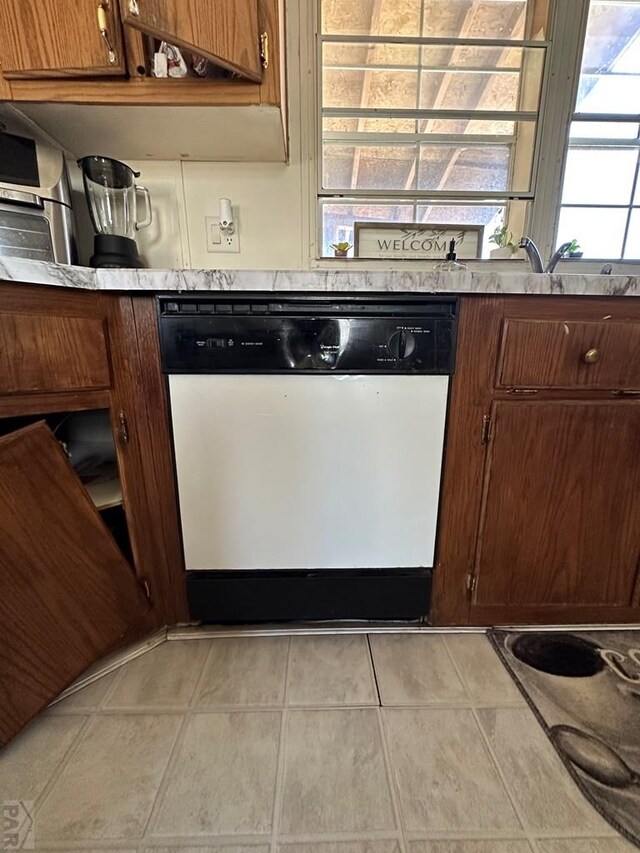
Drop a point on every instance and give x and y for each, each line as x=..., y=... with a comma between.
x=281, y=745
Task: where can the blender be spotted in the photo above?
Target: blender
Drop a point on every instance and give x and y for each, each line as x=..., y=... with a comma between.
x=112, y=196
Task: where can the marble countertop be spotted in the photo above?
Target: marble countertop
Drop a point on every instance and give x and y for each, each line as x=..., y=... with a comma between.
x=392, y=281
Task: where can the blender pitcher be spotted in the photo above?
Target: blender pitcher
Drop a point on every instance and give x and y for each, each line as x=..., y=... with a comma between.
x=112, y=196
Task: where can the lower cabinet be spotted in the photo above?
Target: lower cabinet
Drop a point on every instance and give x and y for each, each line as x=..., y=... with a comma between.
x=90, y=554
x=560, y=515
x=540, y=518
x=68, y=593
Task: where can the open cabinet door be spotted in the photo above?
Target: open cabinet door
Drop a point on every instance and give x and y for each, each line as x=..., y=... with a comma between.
x=224, y=31
x=67, y=595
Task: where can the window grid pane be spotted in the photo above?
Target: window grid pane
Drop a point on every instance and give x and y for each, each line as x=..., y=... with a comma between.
x=601, y=193
x=463, y=109
x=339, y=215
x=493, y=19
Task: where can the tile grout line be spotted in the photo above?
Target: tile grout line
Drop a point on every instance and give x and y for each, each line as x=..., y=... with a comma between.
x=458, y=672
x=64, y=760
x=131, y=710
x=519, y=702
x=359, y=836
x=492, y=756
x=102, y=705
x=500, y=835
x=386, y=752
x=528, y=830
x=193, y=702
x=392, y=782
x=278, y=793
x=374, y=673
x=164, y=781
x=202, y=844
x=175, y=751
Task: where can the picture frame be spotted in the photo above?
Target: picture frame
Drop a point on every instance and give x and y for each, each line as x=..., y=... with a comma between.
x=411, y=241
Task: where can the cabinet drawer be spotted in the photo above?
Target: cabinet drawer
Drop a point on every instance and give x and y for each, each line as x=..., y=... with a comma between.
x=47, y=353
x=568, y=354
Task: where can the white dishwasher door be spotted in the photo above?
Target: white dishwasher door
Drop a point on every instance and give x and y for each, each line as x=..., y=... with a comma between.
x=308, y=472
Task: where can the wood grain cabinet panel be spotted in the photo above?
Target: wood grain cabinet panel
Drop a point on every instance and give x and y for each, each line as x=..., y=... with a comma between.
x=224, y=31
x=561, y=516
x=51, y=38
x=41, y=352
x=569, y=354
x=68, y=594
x=540, y=515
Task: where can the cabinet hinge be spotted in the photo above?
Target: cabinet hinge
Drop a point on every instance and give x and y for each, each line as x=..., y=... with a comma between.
x=123, y=428
x=472, y=580
x=264, y=50
x=486, y=429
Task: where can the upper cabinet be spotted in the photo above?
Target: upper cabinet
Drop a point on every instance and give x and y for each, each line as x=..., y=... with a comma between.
x=225, y=33
x=72, y=80
x=38, y=40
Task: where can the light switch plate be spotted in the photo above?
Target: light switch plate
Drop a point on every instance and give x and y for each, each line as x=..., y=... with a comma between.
x=218, y=241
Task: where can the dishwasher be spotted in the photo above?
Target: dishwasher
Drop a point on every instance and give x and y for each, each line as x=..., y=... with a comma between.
x=308, y=434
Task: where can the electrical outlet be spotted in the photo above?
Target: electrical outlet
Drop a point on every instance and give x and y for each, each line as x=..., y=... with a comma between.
x=217, y=240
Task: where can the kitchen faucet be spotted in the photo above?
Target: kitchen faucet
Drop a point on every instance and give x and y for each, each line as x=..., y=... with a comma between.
x=535, y=257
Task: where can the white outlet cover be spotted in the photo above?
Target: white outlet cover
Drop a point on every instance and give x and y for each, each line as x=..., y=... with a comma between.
x=218, y=241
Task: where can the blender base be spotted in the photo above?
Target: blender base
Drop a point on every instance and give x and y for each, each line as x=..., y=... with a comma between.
x=112, y=250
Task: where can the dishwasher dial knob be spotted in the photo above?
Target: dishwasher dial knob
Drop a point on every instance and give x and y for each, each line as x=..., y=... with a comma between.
x=401, y=344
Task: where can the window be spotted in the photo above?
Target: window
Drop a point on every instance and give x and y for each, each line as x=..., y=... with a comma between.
x=601, y=192
x=429, y=112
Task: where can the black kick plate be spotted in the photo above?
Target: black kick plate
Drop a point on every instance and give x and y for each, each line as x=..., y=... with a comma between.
x=280, y=596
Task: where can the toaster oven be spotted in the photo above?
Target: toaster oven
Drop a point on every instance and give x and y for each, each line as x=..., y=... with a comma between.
x=36, y=218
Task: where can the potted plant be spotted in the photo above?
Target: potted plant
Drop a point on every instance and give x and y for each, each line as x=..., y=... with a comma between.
x=505, y=247
x=574, y=250
x=340, y=250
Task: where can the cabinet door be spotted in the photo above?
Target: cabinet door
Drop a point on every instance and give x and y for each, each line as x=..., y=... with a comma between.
x=560, y=521
x=54, y=38
x=67, y=594
x=42, y=352
x=224, y=31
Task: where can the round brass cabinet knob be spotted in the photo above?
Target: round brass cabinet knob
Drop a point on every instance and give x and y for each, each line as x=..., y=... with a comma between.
x=591, y=356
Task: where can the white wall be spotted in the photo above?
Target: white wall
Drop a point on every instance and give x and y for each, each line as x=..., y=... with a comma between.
x=267, y=204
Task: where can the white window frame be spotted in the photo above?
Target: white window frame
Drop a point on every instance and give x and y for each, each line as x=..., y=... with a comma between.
x=415, y=197
x=567, y=28
x=610, y=144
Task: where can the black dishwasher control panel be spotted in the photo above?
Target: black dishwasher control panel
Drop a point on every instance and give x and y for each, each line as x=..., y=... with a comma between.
x=307, y=334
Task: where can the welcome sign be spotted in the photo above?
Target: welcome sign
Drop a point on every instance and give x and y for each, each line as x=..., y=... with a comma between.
x=385, y=240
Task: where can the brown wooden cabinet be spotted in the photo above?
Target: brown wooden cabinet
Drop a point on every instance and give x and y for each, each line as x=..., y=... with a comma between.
x=111, y=45
x=225, y=32
x=81, y=571
x=51, y=38
x=38, y=40
x=68, y=594
x=65, y=77
x=540, y=520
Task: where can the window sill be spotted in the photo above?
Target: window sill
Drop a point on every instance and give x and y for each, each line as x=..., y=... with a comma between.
x=582, y=266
